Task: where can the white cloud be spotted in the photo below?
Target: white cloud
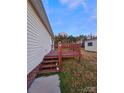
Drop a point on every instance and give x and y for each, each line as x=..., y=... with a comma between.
x=75, y=3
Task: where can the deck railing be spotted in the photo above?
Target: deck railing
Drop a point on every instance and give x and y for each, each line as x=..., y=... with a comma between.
x=70, y=46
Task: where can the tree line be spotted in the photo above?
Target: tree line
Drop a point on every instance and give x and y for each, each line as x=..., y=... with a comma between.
x=72, y=39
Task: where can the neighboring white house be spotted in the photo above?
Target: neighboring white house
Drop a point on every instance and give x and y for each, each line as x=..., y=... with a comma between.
x=91, y=45
x=39, y=35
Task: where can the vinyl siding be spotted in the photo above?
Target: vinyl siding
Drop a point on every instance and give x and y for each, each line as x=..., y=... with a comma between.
x=91, y=48
x=38, y=39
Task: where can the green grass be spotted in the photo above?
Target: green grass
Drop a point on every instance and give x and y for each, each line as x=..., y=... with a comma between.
x=78, y=77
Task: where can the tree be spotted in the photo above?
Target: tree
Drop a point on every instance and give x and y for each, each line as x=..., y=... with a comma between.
x=72, y=39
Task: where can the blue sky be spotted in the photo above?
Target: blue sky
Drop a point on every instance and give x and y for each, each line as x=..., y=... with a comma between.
x=74, y=17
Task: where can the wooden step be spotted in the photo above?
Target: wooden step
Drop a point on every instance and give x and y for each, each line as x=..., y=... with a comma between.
x=50, y=61
x=48, y=71
x=49, y=65
x=50, y=57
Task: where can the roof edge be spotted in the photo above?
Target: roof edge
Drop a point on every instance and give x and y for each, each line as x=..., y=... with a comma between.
x=91, y=39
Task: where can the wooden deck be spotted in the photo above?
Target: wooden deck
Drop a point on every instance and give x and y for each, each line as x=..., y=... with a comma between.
x=52, y=61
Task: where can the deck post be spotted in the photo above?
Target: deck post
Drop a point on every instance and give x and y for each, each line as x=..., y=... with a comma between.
x=79, y=51
x=60, y=52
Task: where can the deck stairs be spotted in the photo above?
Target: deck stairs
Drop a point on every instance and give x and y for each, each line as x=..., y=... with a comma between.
x=50, y=64
x=52, y=61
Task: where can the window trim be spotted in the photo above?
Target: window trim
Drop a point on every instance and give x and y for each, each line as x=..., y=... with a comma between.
x=90, y=44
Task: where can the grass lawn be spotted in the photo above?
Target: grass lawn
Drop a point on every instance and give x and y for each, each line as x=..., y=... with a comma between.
x=79, y=77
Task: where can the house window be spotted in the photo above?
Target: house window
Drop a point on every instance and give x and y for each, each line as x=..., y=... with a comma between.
x=90, y=44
